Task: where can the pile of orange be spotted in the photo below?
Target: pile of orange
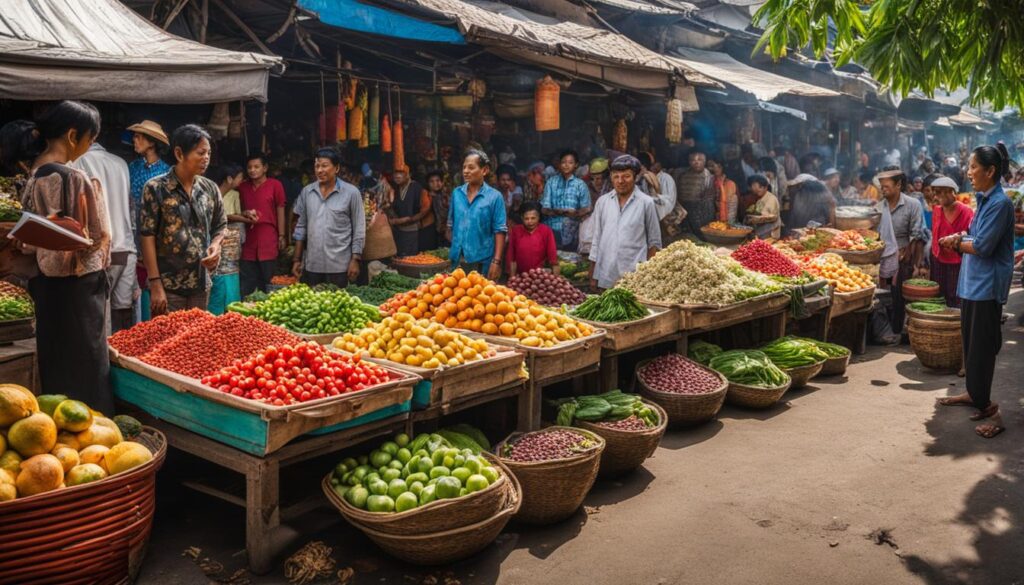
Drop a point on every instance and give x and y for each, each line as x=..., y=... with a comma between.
x=837, y=272
x=426, y=259
x=474, y=303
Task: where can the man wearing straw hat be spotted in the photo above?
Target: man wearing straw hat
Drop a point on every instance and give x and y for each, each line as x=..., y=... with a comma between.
x=148, y=139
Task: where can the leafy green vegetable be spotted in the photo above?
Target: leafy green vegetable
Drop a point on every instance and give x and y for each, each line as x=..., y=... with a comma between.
x=610, y=406
x=921, y=282
x=392, y=280
x=793, y=353
x=927, y=307
x=749, y=367
x=614, y=305
x=15, y=308
x=702, y=352
x=833, y=350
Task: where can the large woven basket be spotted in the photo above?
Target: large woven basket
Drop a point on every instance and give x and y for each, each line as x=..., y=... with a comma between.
x=803, y=374
x=625, y=451
x=757, y=397
x=685, y=409
x=859, y=257
x=447, y=546
x=938, y=344
x=835, y=366
x=91, y=533
x=437, y=516
x=554, y=490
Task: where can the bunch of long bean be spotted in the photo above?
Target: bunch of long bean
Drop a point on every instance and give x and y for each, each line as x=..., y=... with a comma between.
x=614, y=305
x=749, y=367
x=833, y=350
x=788, y=353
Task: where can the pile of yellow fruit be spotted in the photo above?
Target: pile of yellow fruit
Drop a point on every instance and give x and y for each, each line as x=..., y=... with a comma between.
x=472, y=302
x=51, y=442
x=837, y=272
x=414, y=342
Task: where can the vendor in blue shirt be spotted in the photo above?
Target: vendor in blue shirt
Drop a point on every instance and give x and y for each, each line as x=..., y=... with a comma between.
x=476, y=220
x=984, y=284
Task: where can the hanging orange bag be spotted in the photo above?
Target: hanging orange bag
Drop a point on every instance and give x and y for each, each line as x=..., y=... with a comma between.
x=398, y=144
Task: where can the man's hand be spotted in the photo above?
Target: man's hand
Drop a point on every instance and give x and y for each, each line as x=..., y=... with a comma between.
x=297, y=269
x=494, y=272
x=950, y=242
x=353, y=270
x=282, y=243
x=157, y=298
x=212, y=257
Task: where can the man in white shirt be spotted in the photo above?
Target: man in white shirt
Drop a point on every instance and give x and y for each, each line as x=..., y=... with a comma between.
x=112, y=173
x=665, y=198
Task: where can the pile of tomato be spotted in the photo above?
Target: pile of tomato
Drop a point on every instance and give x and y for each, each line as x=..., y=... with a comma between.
x=290, y=374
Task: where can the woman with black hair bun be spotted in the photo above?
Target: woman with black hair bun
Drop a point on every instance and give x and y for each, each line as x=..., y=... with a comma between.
x=70, y=289
x=984, y=286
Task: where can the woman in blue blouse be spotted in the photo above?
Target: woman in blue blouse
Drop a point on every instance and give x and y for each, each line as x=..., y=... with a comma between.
x=987, y=249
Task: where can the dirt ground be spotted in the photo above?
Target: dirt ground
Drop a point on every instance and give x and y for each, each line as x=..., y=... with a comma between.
x=862, y=480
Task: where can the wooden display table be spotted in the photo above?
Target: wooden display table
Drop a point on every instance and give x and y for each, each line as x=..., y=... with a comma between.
x=818, y=315
x=18, y=364
x=662, y=325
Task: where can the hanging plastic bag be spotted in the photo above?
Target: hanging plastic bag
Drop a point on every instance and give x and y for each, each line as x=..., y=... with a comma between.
x=373, y=117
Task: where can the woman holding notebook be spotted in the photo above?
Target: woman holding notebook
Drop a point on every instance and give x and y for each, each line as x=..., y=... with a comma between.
x=70, y=289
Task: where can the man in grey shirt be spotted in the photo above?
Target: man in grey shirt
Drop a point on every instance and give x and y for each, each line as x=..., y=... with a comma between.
x=331, y=229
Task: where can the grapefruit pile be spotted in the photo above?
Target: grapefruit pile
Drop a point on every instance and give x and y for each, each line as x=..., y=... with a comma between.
x=52, y=442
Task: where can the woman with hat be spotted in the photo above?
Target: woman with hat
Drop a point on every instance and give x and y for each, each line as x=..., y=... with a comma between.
x=597, y=183
x=949, y=217
x=148, y=140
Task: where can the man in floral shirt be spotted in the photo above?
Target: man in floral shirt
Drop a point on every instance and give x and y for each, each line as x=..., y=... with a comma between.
x=182, y=224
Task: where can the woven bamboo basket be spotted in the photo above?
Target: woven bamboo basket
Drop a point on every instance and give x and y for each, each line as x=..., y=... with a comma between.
x=803, y=374
x=554, y=490
x=859, y=257
x=437, y=516
x=686, y=409
x=835, y=366
x=938, y=344
x=625, y=451
x=757, y=397
x=91, y=533
x=448, y=546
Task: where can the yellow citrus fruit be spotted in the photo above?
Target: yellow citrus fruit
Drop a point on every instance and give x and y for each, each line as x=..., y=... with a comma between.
x=69, y=439
x=73, y=416
x=97, y=434
x=16, y=403
x=84, y=473
x=125, y=456
x=33, y=435
x=10, y=462
x=68, y=457
x=94, y=454
x=8, y=491
x=40, y=473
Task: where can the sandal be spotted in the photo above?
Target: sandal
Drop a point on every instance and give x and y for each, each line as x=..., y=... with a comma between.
x=988, y=431
x=988, y=412
x=958, y=400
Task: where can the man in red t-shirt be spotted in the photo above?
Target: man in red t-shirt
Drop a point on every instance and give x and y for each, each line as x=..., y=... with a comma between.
x=263, y=199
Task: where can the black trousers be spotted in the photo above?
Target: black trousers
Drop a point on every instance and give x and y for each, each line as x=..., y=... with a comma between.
x=71, y=345
x=255, y=274
x=981, y=329
x=898, y=312
x=338, y=279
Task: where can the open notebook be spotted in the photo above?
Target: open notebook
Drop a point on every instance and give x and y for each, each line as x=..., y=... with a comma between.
x=36, y=230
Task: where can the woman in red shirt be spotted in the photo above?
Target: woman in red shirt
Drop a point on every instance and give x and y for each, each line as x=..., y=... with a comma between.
x=948, y=217
x=531, y=243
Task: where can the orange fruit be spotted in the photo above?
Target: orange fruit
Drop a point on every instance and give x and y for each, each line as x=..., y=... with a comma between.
x=507, y=329
x=450, y=282
x=447, y=291
x=434, y=289
x=490, y=290
x=491, y=308
x=489, y=328
x=450, y=322
x=479, y=311
x=416, y=312
x=498, y=318
x=441, y=315
x=459, y=293
x=465, y=284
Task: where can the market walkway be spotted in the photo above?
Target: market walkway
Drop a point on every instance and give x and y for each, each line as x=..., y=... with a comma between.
x=851, y=482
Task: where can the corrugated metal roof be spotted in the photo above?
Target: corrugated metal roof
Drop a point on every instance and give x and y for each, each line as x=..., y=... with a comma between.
x=648, y=7
x=761, y=84
x=568, y=40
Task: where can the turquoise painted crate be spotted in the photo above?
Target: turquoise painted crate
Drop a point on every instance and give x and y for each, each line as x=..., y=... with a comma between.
x=249, y=430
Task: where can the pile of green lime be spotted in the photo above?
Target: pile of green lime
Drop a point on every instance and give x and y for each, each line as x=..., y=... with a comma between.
x=403, y=474
x=300, y=309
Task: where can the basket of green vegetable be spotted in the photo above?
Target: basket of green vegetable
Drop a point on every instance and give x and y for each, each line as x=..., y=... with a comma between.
x=702, y=352
x=754, y=381
x=556, y=468
x=800, y=359
x=630, y=426
x=838, y=358
x=917, y=289
x=398, y=498
x=627, y=322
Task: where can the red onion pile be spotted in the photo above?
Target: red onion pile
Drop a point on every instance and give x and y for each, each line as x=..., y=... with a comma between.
x=542, y=286
x=675, y=374
x=762, y=257
x=547, y=446
x=627, y=424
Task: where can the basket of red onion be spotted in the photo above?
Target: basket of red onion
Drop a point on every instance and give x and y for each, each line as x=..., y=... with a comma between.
x=555, y=466
x=689, y=392
x=546, y=288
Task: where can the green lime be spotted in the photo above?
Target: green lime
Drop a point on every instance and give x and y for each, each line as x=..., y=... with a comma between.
x=378, y=487
x=380, y=504
x=476, y=483
x=439, y=471
x=462, y=474
x=406, y=501
x=428, y=494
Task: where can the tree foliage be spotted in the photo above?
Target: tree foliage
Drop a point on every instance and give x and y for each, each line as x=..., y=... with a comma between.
x=926, y=45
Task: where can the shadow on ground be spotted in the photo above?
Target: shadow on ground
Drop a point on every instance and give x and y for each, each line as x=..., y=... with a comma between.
x=994, y=509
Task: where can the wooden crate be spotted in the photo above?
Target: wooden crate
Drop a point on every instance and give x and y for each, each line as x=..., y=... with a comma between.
x=249, y=425
x=695, y=318
x=843, y=303
x=551, y=363
x=321, y=338
x=17, y=329
x=441, y=386
x=619, y=337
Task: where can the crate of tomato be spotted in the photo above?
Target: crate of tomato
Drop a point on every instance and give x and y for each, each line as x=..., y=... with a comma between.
x=249, y=384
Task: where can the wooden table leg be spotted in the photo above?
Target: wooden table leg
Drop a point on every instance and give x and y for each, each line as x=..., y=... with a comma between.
x=263, y=514
x=683, y=344
x=609, y=373
x=529, y=408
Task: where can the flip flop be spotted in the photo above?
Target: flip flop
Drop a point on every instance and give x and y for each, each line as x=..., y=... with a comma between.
x=989, y=434
x=948, y=401
x=989, y=412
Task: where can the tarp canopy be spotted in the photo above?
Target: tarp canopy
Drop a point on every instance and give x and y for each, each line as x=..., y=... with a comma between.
x=572, y=49
x=353, y=15
x=761, y=84
x=102, y=50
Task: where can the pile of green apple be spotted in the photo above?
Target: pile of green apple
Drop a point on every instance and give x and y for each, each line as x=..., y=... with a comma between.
x=403, y=474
